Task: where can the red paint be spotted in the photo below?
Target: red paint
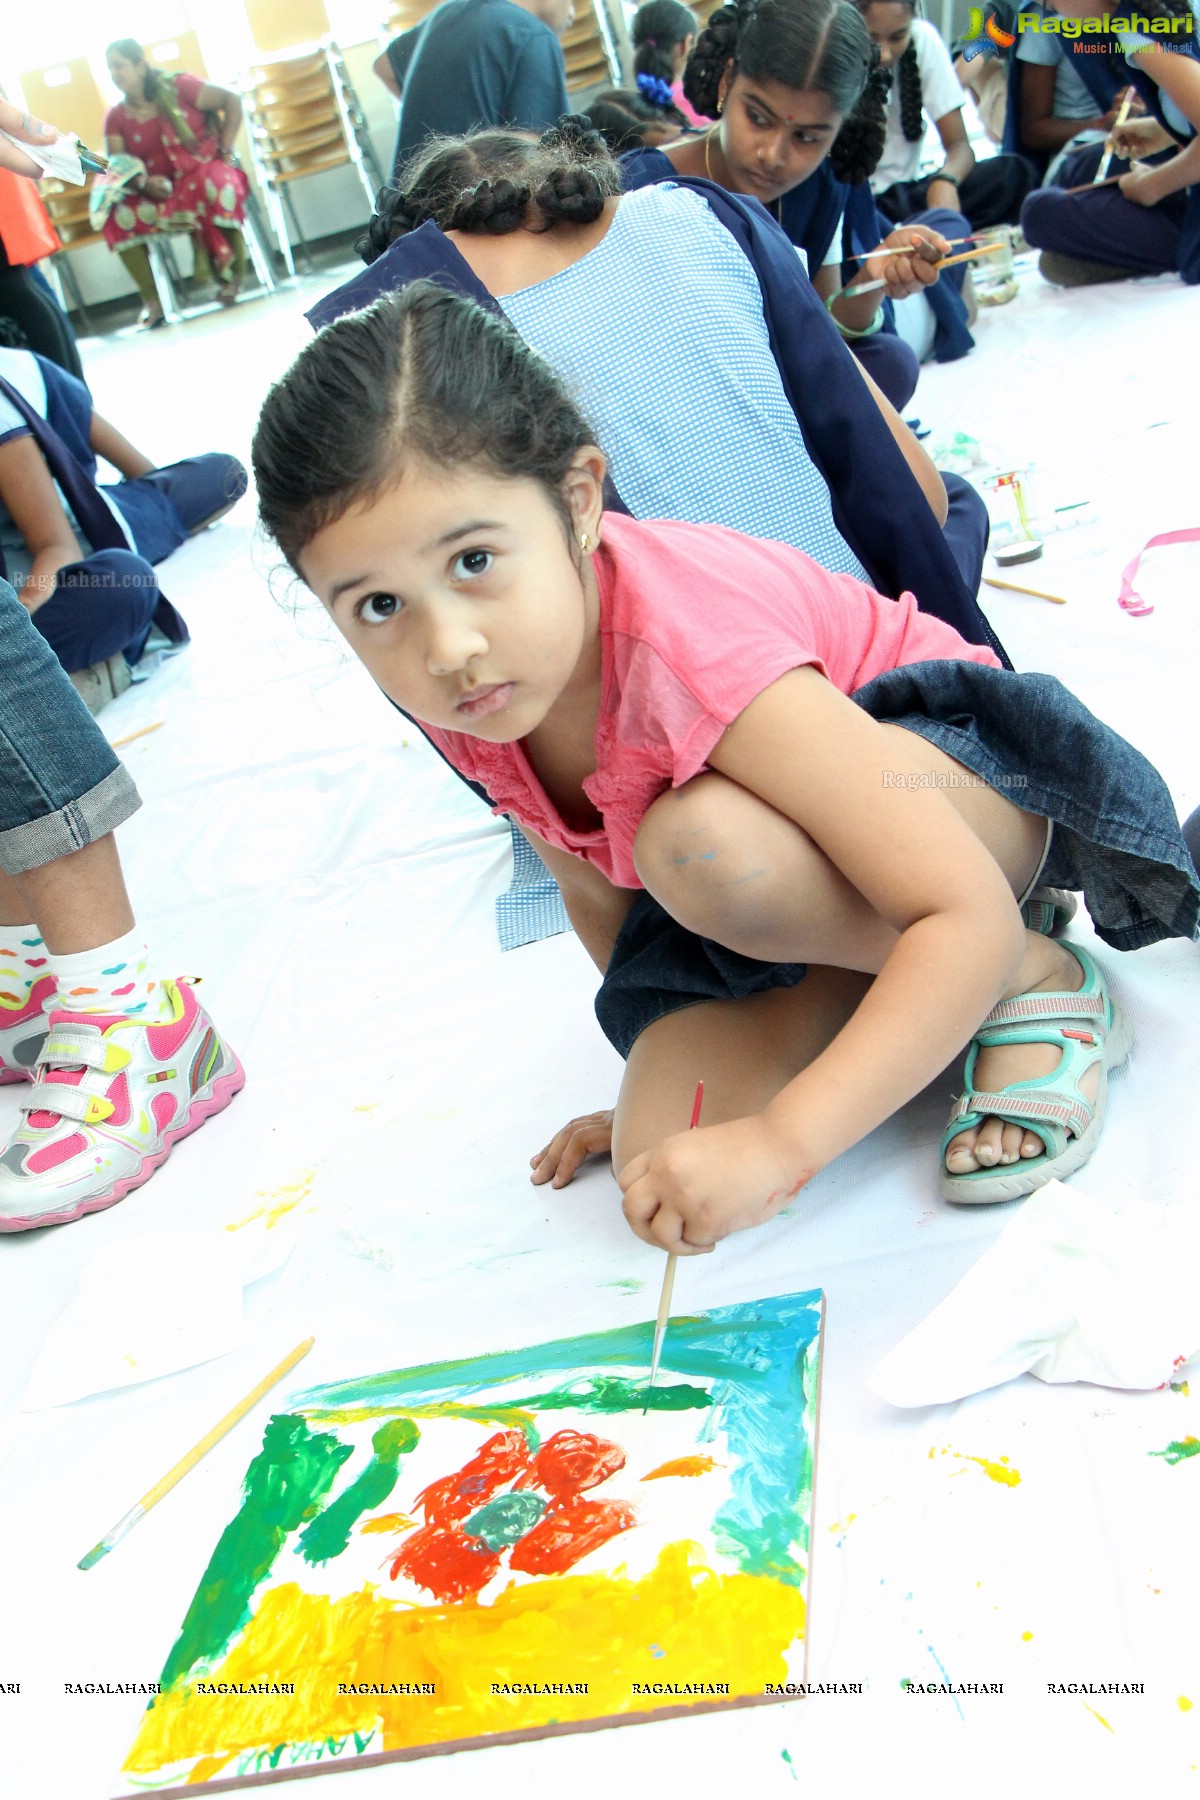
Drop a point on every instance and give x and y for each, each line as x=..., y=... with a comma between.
x=568, y=1532
x=571, y=1461
x=444, y=1560
x=502, y=1459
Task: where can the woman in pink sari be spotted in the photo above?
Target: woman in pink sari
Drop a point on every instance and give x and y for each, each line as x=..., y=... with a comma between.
x=179, y=173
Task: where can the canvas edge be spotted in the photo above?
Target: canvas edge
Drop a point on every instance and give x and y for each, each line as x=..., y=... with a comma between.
x=495, y=1739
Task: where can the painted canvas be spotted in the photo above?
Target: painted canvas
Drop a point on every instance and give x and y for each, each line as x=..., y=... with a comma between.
x=504, y=1547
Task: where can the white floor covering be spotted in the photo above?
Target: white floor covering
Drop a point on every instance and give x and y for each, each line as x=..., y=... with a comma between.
x=333, y=885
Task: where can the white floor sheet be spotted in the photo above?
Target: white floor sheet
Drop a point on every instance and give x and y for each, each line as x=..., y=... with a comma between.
x=305, y=852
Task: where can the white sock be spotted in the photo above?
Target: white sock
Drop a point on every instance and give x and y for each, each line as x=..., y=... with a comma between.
x=113, y=978
x=24, y=959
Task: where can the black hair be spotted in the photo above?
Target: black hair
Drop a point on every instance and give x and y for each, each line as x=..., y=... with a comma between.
x=425, y=375
x=132, y=51
x=819, y=45
x=496, y=181
x=907, y=77
x=11, y=335
x=620, y=115
x=657, y=28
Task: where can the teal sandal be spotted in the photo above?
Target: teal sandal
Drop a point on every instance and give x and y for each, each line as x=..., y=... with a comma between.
x=1049, y=910
x=1087, y=1028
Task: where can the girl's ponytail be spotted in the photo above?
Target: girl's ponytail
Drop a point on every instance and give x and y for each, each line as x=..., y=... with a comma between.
x=858, y=146
x=912, y=103
x=657, y=28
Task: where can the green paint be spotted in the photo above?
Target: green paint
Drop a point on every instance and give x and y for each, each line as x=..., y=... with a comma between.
x=284, y=1486
x=626, y=1287
x=329, y=1532
x=505, y=1519
x=614, y=1394
x=791, y=1765
x=1180, y=1450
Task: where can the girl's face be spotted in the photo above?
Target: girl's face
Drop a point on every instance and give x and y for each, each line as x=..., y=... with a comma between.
x=464, y=596
x=773, y=137
x=890, y=25
x=680, y=53
x=129, y=78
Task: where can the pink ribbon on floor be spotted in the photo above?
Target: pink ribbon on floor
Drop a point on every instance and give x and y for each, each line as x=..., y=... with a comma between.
x=1129, y=599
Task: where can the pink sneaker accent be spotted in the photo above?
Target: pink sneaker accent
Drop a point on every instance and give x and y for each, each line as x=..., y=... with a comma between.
x=57, y=1167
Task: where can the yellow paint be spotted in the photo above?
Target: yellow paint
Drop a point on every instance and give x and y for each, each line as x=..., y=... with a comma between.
x=684, y=1465
x=1026, y=1637
x=593, y=1628
x=995, y=1471
x=208, y=1766
x=1097, y=1715
x=286, y=1198
x=369, y=1107
x=1183, y=1703
x=843, y=1523
x=388, y=1522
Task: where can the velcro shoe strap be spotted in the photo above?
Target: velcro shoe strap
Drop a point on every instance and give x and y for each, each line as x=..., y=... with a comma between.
x=1025, y=1106
x=67, y=1049
x=57, y=1097
x=1024, y=1008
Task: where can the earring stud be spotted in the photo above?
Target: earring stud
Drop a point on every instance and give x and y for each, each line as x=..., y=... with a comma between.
x=585, y=543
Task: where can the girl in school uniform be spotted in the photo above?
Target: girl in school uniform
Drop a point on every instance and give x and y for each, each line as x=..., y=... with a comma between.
x=793, y=820
x=926, y=88
x=1149, y=223
x=1059, y=95
x=682, y=317
x=663, y=32
x=798, y=97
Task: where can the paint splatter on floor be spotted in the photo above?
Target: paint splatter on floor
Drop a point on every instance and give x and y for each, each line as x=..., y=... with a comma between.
x=1179, y=1451
x=1026, y=1637
x=1183, y=1703
x=626, y=1286
x=791, y=1765
x=1097, y=1715
x=1180, y=1387
x=278, y=1201
x=999, y=1471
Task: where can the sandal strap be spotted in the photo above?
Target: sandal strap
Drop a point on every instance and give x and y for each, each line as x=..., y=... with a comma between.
x=1031, y=1107
x=1024, y=1007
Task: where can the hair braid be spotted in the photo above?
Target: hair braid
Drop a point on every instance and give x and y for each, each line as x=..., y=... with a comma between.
x=912, y=103
x=858, y=146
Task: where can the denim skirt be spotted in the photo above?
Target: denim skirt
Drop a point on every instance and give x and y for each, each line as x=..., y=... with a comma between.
x=1116, y=834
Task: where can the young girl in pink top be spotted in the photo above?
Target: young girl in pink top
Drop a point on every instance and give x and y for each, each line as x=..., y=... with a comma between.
x=794, y=822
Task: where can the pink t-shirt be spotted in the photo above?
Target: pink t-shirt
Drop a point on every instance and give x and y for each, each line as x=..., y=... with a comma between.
x=695, y=622
x=687, y=109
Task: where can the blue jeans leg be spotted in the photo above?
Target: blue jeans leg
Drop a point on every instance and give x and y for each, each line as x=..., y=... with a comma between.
x=61, y=786
x=101, y=607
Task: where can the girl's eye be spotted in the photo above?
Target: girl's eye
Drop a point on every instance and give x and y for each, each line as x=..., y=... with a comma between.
x=378, y=607
x=472, y=564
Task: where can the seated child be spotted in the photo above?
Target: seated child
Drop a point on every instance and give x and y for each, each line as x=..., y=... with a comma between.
x=793, y=820
x=80, y=553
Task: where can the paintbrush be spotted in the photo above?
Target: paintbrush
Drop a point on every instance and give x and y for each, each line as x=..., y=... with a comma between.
x=907, y=249
x=664, y=1299
x=1106, y=160
x=868, y=287
x=153, y=1495
x=1014, y=587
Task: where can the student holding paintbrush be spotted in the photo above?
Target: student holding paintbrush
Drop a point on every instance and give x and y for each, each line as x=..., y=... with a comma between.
x=793, y=821
x=1147, y=221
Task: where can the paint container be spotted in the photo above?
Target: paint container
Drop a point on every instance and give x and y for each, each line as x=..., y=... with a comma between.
x=1022, y=550
x=996, y=269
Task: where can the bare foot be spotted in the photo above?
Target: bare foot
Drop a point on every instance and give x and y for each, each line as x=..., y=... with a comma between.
x=1048, y=968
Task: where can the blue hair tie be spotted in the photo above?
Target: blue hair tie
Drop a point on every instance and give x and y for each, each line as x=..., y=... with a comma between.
x=657, y=91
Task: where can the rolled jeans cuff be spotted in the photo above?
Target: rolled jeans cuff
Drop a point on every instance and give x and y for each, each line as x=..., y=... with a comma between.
x=93, y=815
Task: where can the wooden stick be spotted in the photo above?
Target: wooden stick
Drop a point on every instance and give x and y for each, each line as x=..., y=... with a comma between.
x=668, y=1286
x=1088, y=186
x=1106, y=160
x=1014, y=587
x=120, y=743
x=946, y=262
x=154, y=1494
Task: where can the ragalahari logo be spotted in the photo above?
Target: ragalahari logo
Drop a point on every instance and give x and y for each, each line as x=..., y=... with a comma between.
x=984, y=36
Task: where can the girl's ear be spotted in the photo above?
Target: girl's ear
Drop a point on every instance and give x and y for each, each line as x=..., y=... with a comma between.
x=723, y=87
x=583, y=491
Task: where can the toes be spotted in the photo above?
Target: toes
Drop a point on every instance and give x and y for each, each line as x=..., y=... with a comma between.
x=1011, y=1138
x=960, y=1153
x=1030, y=1145
x=989, y=1143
